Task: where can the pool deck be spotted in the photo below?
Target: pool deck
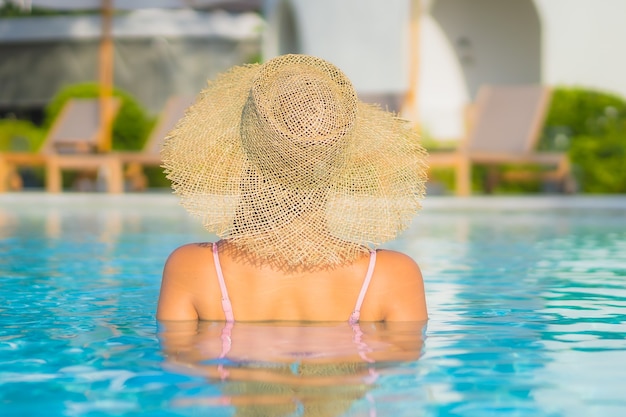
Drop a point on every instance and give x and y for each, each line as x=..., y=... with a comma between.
x=156, y=200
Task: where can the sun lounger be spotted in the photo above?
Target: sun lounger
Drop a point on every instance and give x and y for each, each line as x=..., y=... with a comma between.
x=504, y=127
x=71, y=144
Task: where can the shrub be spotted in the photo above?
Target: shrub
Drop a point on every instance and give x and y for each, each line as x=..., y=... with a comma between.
x=23, y=136
x=591, y=126
x=577, y=112
x=601, y=160
x=20, y=135
x=130, y=128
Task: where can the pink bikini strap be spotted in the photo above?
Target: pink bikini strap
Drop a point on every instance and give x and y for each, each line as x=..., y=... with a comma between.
x=356, y=314
x=226, y=306
x=227, y=342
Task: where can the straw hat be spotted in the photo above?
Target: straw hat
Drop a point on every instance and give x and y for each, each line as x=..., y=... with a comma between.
x=283, y=161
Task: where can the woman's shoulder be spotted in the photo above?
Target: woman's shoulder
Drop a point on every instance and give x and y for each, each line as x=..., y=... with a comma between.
x=183, y=278
x=398, y=279
x=395, y=261
x=397, y=269
x=190, y=249
x=188, y=257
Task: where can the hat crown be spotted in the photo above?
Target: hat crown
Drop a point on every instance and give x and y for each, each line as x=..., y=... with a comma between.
x=304, y=98
x=298, y=113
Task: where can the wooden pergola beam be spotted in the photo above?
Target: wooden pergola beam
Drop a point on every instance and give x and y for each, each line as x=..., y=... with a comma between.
x=105, y=73
x=410, y=106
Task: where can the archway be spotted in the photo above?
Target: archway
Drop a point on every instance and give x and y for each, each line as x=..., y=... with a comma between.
x=465, y=44
x=495, y=41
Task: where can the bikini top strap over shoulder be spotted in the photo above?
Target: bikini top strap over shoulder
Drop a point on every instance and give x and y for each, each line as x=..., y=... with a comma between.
x=356, y=314
x=226, y=305
x=228, y=309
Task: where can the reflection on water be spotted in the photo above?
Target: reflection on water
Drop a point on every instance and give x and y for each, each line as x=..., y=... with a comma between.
x=289, y=369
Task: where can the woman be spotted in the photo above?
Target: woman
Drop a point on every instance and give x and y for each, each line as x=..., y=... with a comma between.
x=300, y=180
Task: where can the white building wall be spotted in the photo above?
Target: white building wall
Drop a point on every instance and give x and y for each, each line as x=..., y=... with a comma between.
x=442, y=93
x=367, y=39
x=584, y=43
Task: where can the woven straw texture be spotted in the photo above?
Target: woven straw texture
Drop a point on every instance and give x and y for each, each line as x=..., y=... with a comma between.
x=283, y=161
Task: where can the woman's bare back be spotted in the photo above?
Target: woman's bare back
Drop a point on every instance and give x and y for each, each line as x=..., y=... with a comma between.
x=190, y=289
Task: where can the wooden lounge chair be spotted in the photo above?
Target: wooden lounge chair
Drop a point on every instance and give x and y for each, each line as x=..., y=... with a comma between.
x=133, y=162
x=504, y=126
x=71, y=143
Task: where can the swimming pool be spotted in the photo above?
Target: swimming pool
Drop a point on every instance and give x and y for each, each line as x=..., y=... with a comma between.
x=527, y=303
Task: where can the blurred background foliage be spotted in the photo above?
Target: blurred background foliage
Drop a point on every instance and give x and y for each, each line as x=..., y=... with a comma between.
x=20, y=135
x=591, y=126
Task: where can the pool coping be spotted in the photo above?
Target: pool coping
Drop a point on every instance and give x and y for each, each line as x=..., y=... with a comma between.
x=482, y=202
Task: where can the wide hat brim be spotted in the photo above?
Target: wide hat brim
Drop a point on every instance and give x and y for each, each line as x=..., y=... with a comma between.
x=369, y=196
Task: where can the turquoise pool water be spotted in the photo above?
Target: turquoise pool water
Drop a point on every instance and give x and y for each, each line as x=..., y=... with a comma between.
x=527, y=300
